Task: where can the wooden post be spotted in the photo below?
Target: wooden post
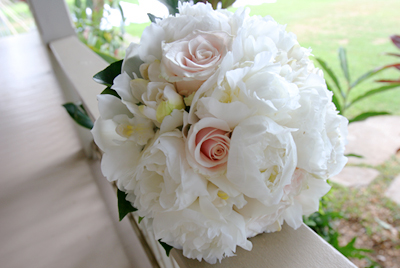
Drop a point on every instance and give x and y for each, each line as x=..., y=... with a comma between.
x=52, y=19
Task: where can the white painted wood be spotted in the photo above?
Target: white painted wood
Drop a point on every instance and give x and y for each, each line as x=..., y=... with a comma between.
x=52, y=19
x=79, y=63
x=288, y=248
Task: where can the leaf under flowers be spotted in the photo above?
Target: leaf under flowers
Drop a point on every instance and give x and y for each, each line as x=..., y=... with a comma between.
x=167, y=247
x=110, y=91
x=79, y=115
x=106, y=76
x=124, y=206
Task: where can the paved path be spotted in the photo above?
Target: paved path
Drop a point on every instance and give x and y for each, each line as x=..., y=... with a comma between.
x=376, y=139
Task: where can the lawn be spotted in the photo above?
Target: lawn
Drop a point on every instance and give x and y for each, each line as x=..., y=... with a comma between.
x=362, y=27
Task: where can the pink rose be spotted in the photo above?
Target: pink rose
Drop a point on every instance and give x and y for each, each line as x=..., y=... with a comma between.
x=192, y=60
x=208, y=144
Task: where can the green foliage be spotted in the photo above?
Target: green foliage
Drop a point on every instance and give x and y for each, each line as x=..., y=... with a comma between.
x=351, y=251
x=152, y=17
x=124, y=206
x=106, y=76
x=343, y=98
x=364, y=116
x=322, y=222
x=354, y=155
x=79, y=114
x=110, y=91
x=88, y=18
x=165, y=246
x=172, y=5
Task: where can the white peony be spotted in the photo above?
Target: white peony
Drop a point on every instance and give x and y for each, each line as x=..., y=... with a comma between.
x=199, y=234
x=163, y=178
x=121, y=137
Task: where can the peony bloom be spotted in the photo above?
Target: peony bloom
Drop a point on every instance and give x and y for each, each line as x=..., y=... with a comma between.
x=199, y=234
x=163, y=178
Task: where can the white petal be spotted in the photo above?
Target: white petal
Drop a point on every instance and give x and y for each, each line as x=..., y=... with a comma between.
x=132, y=61
x=104, y=134
x=110, y=106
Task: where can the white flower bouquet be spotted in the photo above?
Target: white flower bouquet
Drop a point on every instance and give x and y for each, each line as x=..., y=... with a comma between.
x=218, y=127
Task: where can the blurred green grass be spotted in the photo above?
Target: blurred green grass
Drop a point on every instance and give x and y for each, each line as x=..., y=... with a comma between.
x=362, y=27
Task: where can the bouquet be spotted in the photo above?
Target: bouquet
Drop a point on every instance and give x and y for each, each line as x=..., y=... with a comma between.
x=218, y=127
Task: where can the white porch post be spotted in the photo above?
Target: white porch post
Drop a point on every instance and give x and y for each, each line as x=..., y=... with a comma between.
x=52, y=19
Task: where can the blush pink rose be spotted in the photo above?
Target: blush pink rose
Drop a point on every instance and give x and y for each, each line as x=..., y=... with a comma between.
x=208, y=143
x=192, y=60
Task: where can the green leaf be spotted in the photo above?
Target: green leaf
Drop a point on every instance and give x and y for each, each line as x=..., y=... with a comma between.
x=331, y=74
x=140, y=219
x=366, y=115
x=354, y=155
x=124, y=206
x=166, y=247
x=106, y=76
x=372, y=73
x=79, y=115
x=172, y=5
x=351, y=251
x=110, y=91
x=374, y=91
x=152, y=17
x=343, y=63
x=334, y=99
x=227, y=3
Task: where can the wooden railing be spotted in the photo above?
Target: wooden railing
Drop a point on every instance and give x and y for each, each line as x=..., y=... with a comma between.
x=74, y=65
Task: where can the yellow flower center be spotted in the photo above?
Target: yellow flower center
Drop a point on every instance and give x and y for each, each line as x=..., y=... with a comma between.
x=223, y=195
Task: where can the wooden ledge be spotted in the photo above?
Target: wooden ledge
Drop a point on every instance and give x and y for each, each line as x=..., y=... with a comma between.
x=288, y=248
